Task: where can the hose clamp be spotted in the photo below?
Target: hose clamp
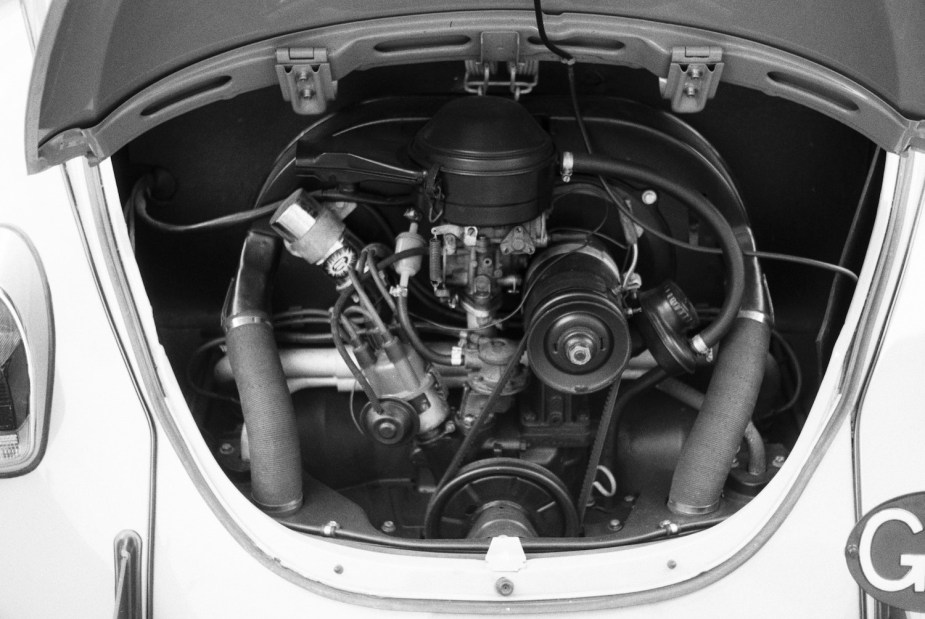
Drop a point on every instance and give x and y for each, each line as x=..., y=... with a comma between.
x=568, y=166
x=233, y=322
x=456, y=355
x=755, y=315
x=700, y=347
x=685, y=509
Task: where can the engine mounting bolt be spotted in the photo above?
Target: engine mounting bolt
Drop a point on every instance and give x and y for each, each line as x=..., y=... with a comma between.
x=778, y=461
x=226, y=449
x=649, y=197
x=504, y=586
x=388, y=527
x=615, y=524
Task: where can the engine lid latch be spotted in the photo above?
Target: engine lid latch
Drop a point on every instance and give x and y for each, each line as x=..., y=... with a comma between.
x=501, y=64
x=692, y=77
x=305, y=78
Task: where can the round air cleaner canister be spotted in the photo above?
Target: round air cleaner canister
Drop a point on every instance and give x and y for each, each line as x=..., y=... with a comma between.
x=495, y=164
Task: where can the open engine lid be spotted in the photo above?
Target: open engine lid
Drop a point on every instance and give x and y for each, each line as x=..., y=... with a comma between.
x=93, y=57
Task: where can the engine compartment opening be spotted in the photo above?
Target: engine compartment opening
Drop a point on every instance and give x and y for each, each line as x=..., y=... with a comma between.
x=450, y=319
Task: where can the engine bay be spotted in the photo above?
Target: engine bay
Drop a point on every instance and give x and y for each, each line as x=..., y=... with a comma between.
x=459, y=316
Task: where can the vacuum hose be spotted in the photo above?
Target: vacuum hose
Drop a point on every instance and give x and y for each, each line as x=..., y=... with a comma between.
x=743, y=324
x=276, y=466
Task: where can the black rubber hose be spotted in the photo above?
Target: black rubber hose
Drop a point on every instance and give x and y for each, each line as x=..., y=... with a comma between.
x=729, y=244
x=276, y=465
x=709, y=450
x=411, y=332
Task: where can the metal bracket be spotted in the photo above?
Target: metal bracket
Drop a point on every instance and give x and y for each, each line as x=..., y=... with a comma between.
x=692, y=77
x=497, y=49
x=127, y=554
x=305, y=78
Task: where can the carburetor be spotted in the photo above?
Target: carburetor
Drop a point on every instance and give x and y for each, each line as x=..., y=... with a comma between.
x=487, y=196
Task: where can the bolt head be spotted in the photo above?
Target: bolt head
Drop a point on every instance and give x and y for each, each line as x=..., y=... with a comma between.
x=649, y=197
x=778, y=461
x=388, y=527
x=615, y=524
x=306, y=93
x=504, y=586
x=579, y=350
x=226, y=449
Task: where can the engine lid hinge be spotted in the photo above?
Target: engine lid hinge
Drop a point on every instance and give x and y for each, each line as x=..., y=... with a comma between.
x=692, y=77
x=127, y=554
x=500, y=64
x=305, y=78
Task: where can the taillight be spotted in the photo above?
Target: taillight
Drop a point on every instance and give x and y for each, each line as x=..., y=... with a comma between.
x=26, y=354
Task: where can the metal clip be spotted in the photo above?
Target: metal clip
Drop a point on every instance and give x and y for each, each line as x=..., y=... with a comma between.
x=568, y=166
x=692, y=77
x=305, y=78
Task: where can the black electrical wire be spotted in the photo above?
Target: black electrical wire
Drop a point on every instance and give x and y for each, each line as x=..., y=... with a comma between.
x=732, y=253
x=797, y=373
x=219, y=223
x=762, y=255
x=541, y=28
x=475, y=431
x=625, y=210
x=414, y=338
x=792, y=360
x=606, y=429
x=581, y=234
x=192, y=363
x=142, y=190
x=380, y=283
x=345, y=355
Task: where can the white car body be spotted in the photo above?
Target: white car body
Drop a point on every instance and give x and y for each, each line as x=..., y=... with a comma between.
x=124, y=454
